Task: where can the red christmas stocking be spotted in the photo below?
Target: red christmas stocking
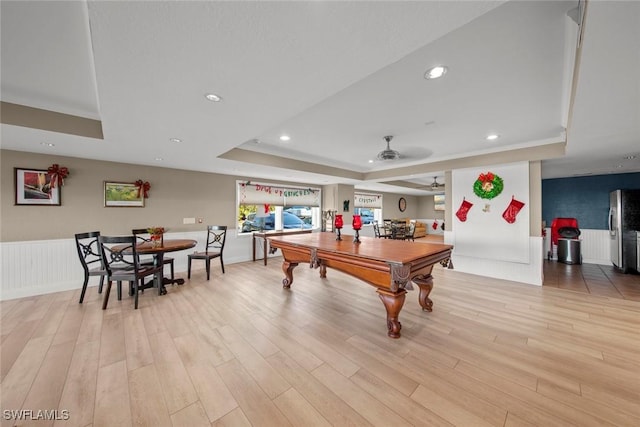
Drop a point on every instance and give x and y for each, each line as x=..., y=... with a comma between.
x=434, y=225
x=463, y=210
x=512, y=210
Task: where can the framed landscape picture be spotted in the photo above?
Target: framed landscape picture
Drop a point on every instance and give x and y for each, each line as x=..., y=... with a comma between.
x=33, y=187
x=122, y=194
x=438, y=202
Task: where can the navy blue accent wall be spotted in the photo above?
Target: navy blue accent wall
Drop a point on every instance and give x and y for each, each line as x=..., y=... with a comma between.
x=585, y=198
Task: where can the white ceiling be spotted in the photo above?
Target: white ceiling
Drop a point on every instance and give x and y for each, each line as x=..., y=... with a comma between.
x=335, y=76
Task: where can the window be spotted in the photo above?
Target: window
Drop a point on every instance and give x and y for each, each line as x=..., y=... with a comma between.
x=369, y=207
x=273, y=207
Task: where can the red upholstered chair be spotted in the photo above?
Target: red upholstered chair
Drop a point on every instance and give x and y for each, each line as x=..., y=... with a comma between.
x=216, y=236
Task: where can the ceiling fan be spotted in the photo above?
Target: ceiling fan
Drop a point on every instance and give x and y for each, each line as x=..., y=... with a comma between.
x=435, y=185
x=388, y=153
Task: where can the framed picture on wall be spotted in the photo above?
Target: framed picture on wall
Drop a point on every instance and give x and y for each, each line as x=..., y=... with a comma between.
x=123, y=194
x=438, y=202
x=33, y=187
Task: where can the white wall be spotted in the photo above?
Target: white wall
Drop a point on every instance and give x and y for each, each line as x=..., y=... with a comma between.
x=485, y=243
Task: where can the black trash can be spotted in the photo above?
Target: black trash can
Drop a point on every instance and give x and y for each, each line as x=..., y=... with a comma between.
x=569, y=251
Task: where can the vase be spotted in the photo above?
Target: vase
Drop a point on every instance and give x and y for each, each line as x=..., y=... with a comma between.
x=156, y=241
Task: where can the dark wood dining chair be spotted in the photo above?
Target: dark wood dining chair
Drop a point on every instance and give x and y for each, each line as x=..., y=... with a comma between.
x=378, y=233
x=216, y=236
x=387, y=228
x=89, y=253
x=123, y=265
x=410, y=232
x=142, y=236
x=399, y=230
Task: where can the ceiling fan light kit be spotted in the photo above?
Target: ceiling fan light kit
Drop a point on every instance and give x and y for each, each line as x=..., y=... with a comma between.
x=435, y=185
x=388, y=153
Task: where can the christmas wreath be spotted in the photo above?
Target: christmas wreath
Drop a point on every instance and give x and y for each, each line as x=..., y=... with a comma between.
x=488, y=185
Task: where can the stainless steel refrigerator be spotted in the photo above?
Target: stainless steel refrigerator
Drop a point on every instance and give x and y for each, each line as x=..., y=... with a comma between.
x=624, y=223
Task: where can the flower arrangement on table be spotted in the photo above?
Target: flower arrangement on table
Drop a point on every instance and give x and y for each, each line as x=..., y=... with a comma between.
x=157, y=234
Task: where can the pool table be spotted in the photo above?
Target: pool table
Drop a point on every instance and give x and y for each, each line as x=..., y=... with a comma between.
x=391, y=266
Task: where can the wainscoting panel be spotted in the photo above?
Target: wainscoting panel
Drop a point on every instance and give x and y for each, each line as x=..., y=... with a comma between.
x=46, y=266
x=594, y=246
x=530, y=273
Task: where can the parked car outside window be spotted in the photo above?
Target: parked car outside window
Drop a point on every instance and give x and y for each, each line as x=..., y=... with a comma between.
x=302, y=212
x=299, y=211
x=365, y=214
x=268, y=223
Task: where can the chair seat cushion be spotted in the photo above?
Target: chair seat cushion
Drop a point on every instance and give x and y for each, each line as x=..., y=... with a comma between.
x=97, y=272
x=128, y=272
x=204, y=255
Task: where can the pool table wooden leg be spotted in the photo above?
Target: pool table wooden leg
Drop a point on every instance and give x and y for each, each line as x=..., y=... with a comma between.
x=287, y=268
x=425, y=282
x=323, y=271
x=393, y=302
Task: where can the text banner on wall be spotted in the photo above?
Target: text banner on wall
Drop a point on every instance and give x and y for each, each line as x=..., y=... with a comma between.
x=301, y=197
x=361, y=200
x=260, y=194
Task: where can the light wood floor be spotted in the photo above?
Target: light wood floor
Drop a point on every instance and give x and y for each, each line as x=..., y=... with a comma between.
x=602, y=280
x=240, y=350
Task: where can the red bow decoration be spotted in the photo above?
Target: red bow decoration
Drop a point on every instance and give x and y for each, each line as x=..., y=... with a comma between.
x=266, y=208
x=143, y=187
x=486, y=178
x=58, y=174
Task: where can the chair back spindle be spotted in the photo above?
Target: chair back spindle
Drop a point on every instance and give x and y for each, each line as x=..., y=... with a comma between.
x=90, y=255
x=120, y=259
x=216, y=237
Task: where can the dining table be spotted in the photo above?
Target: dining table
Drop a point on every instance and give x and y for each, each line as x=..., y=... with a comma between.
x=158, y=251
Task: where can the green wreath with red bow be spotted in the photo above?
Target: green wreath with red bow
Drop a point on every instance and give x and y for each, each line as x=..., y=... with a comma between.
x=488, y=186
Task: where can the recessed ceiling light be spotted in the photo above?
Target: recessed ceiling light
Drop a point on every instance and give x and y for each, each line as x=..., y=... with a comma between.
x=370, y=161
x=435, y=72
x=618, y=166
x=630, y=157
x=48, y=144
x=213, y=97
x=176, y=140
x=285, y=138
x=492, y=137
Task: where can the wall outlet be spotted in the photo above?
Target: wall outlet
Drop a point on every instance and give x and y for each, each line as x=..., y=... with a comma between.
x=188, y=220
